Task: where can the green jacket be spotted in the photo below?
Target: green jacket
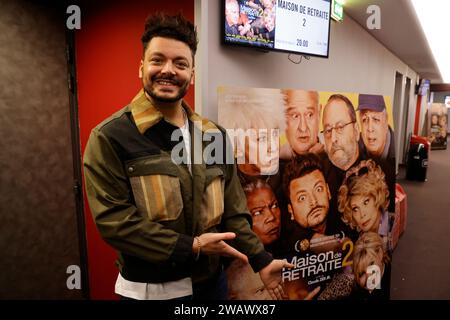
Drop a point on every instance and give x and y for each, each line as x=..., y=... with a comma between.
x=150, y=209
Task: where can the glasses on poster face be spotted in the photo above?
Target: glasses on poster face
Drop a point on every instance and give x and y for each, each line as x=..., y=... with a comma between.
x=339, y=128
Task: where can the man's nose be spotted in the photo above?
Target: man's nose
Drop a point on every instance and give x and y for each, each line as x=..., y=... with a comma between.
x=168, y=68
x=333, y=135
x=370, y=125
x=301, y=124
x=313, y=201
x=270, y=216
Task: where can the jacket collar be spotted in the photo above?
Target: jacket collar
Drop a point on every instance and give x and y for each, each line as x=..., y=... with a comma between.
x=146, y=115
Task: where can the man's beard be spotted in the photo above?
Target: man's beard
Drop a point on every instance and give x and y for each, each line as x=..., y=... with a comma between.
x=181, y=93
x=316, y=223
x=342, y=161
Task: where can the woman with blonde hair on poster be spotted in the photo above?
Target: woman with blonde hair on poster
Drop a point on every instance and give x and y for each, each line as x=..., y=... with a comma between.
x=254, y=119
x=363, y=199
x=369, y=266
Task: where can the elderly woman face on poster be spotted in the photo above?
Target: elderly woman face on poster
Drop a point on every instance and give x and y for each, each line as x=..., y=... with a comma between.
x=254, y=119
x=369, y=260
x=244, y=283
x=263, y=207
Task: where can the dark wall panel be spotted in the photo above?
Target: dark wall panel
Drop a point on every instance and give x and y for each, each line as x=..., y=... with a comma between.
x=38, y=226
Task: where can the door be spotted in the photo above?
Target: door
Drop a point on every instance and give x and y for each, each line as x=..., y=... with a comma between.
x=40, y=247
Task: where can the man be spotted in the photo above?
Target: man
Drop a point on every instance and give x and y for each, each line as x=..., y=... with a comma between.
x=341, y=132
x=376, y=133
x=168, y=221
x=308, y=194
x=309, y=206
x=378, y=138
x=341, y=135
x=302, y=123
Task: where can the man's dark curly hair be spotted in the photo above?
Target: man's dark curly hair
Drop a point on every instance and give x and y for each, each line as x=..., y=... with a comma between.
x=175, y=27
x=300, y=166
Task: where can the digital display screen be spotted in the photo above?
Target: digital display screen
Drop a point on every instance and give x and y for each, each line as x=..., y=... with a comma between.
x=296, y=26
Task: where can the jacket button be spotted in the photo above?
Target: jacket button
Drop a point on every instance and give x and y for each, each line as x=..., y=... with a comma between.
x=131, y=169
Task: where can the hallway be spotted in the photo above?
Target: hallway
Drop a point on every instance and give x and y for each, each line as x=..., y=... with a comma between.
x=420, y=266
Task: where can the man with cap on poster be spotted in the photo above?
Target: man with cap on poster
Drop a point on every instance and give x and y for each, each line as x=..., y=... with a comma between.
x=378, y=137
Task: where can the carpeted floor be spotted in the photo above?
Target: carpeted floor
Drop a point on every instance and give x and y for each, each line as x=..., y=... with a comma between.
x=421, y=261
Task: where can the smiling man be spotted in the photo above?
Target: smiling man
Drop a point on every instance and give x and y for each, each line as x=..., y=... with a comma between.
x=169, y=222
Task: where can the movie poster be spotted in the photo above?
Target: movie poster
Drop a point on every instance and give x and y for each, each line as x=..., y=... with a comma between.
x=438, y=126
x=318, y=172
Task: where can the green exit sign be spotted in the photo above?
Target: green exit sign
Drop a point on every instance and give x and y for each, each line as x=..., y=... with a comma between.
x=337, y=11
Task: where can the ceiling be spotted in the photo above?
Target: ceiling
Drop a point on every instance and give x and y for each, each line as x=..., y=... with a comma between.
x=400, y=32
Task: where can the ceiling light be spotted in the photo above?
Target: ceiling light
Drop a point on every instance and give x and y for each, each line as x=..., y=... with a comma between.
x=433, y=17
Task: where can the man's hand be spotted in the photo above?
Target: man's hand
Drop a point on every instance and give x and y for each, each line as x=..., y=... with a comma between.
x=317, y=148
x=214, y=243
x=271, y=277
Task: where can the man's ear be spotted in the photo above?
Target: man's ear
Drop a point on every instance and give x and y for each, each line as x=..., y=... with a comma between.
x=141, y=69
x=290, y=211
x=357, y=132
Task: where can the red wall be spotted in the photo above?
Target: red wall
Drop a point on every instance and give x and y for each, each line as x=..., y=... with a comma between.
x=108, y=53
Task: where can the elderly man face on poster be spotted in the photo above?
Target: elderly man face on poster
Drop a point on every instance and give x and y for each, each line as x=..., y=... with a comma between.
x=375, y=130
x=341, y=131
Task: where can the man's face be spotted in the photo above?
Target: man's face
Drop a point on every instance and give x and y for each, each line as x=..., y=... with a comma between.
x=309, y=200
x=341, y=135
x=265, y=212
x=232, y=12
x=374, y=128
x=302, y=120
x=365, y=213
x=167, y=69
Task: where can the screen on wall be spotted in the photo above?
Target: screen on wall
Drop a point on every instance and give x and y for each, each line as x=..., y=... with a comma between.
x=295, y=26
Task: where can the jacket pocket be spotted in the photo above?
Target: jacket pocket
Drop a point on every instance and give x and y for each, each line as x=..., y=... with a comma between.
x=212, y=206
x=156, y=189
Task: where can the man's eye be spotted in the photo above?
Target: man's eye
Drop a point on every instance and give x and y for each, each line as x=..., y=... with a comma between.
x=274, y=206
x=319, y=189
x=366, y=202
x=302, y=198
x=181, y=65
x=256, y=213
x=355, y=209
